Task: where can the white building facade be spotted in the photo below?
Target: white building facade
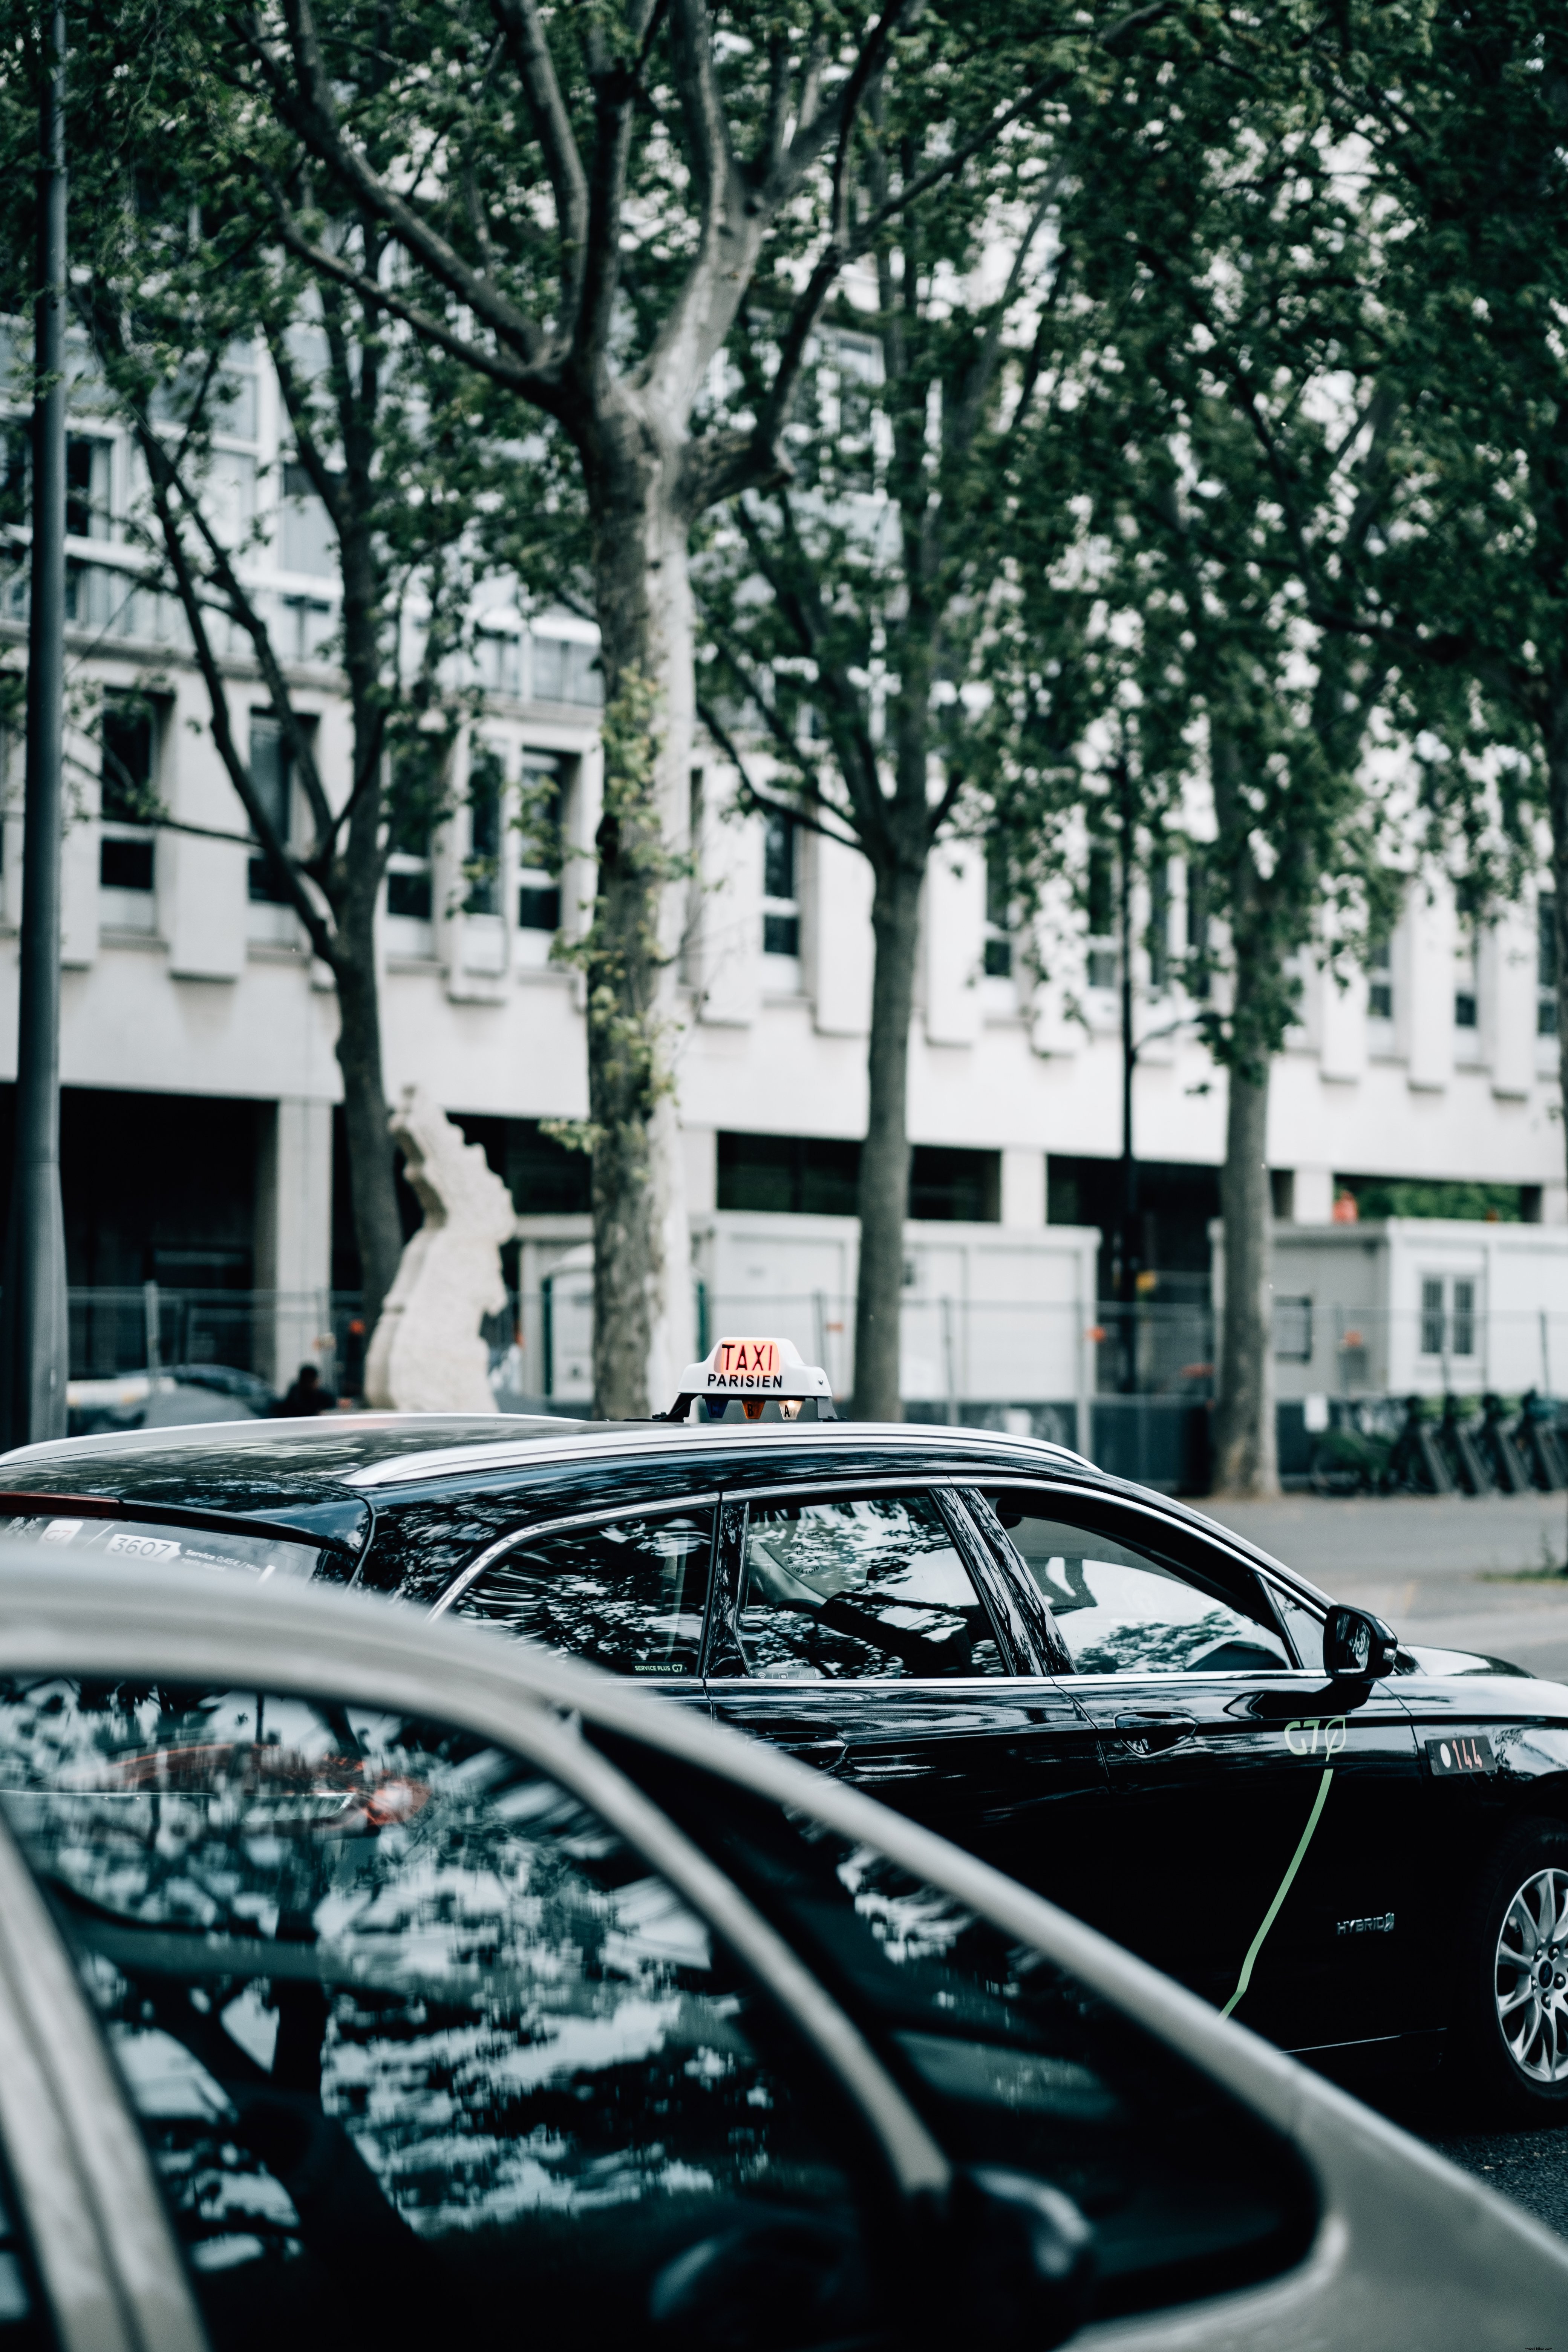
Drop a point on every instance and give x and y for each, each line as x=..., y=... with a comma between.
x=188, y=992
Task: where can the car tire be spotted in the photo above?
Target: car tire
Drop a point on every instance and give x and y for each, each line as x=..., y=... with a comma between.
x=1511, y=2026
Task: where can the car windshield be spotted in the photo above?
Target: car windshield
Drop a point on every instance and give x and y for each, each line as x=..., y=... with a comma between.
x=1017, y=2062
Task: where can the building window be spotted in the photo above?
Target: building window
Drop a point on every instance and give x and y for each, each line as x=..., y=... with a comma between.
x=803, y=1175
x=87, y=463
x=128, y=746
x=566, y=669
x=1160, y=926
x=781, y=899
x=998, y=954
x=1546, y=965
x=1380, y=978
x=416, y=804
x=544, y=776
x=1101, y=908
x=1197, y=976
x=127, y=741
x=271, y=779
x=1294, y=1330
x=309, y=543
x=1447, y=1315
x=1466, y=999
x=498, y=654
x=1431, y=1318
x=481, y=868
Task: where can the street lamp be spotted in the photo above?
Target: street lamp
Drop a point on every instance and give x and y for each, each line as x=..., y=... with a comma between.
x=34, y=1332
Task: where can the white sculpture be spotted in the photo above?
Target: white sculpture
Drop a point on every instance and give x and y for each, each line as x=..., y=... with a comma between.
x=426, y=1354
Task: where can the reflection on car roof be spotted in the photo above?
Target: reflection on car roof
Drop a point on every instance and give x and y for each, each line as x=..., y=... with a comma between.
x=324, y=1445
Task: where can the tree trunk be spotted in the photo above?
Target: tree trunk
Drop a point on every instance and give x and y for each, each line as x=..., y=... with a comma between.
x=883, y=1195
x=643, y=1334
x=372, y=1183
x=1244, y=1438
x=1556, y=748
x=373, y=1180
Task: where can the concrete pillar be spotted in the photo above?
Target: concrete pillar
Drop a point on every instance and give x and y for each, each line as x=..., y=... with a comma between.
x=1313, y=1196
x=294, y=1239
x=1022, y=1187
x=701, y=1145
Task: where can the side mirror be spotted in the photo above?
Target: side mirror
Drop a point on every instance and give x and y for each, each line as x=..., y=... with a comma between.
x=1017, y=2264
x=1358, y=1647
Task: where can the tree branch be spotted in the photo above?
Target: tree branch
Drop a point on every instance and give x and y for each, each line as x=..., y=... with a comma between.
x=305, y=105
x=528, y=50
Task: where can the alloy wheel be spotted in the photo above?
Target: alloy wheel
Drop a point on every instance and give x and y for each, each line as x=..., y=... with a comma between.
x=1532, y=1977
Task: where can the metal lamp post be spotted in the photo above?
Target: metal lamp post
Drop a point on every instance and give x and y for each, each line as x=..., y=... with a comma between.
x=35, y=1343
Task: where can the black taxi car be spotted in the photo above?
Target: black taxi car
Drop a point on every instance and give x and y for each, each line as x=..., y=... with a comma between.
x=1355, y=1847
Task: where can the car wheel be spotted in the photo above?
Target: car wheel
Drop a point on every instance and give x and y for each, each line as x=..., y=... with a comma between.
x=1513, y=2002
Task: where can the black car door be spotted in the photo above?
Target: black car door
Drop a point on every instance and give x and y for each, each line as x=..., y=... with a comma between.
x=866, y=1629
x=1262, y=1818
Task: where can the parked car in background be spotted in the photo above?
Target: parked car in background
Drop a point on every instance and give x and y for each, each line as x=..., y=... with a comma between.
x=178, y=1397
x=363, y=1981
x=1359, y=1849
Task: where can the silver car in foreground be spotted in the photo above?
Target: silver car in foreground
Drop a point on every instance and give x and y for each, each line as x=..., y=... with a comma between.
x=365, y=1980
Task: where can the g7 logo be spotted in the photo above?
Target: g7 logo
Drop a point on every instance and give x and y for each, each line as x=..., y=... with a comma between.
x=1332, y=1732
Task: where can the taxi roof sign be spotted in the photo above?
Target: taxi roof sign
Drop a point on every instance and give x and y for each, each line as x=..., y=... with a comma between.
x=756, y=1371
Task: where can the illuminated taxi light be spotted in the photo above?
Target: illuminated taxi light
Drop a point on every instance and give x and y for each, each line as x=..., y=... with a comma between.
x=756, y=1372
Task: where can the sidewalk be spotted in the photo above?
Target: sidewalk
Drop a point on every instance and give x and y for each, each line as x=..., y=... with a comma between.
x=1459, y=1572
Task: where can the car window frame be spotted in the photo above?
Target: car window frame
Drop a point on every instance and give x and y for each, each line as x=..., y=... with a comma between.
x=1101, y=1517
x=108, y=2264
x=570, y=1522
x=725, y=1659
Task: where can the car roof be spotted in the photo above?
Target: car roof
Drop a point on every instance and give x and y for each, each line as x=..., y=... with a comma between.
x=256, y=1465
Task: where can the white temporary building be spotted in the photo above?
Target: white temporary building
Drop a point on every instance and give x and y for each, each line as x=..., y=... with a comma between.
x=1420, y=1305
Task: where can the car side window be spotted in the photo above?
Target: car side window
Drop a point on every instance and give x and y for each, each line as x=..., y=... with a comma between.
x=1304, y=1625
x=1120, y=1609
x=414, y=2035
x=857, y=1590
x=626, y=1593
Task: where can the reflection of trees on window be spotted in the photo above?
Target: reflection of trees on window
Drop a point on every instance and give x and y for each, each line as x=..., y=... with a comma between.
x=628, y=1594
x=481, y=868
x=1118, y=1613
x=412, y=2033
x=540, y=825
x=849, y=1589
x=418, y=801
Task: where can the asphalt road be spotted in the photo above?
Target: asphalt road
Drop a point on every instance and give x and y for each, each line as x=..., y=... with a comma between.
x=1465, y=1574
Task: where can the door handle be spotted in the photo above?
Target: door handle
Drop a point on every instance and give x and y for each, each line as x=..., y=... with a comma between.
x=823, y=1745
x=1150, y=1735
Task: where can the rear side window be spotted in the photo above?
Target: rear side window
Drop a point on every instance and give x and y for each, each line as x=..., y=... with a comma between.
x=628, y=1594
x=129, y=1542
